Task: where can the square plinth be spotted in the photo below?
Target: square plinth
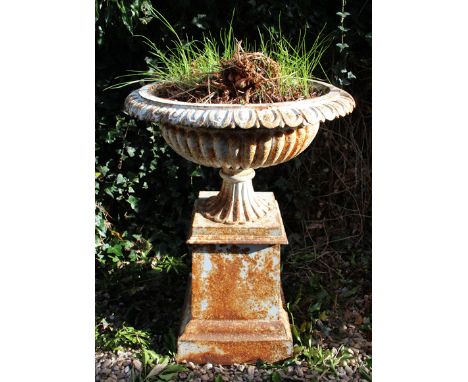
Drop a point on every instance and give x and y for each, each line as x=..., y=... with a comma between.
x=234, y=308
x=268, y=230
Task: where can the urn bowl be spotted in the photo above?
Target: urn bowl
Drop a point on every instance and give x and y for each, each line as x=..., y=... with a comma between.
x=238, y=139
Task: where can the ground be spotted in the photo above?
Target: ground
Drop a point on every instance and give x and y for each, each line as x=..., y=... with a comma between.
x=331, y=326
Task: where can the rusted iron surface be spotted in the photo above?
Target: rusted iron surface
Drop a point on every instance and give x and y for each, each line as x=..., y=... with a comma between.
x=206, y=330
x=234, y=308
x=228, y=353
x=268, y=230
x=236, y=351
x=236, y=282
x=233, y=341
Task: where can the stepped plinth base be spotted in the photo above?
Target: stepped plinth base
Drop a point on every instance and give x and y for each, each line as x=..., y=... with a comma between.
x=227, y=342
x=234, y=308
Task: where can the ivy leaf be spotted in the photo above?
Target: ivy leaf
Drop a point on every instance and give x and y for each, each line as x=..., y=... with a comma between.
x=101, y=225
x=116, y=250
x=146, y=7
x=127, y=244
x=145, y=20
x=343, y=14
x=342, y=46
x=133, y=201
x=111, y=136
x=196, y=172
x=342, y=28
x=110, y=191
x=343, y=81
x=200, y=21
x=351, y=75
x=120, y=179
x=103, y=170
x=131, y=151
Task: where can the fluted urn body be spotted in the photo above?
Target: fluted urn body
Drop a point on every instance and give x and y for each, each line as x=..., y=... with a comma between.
x=239, y=139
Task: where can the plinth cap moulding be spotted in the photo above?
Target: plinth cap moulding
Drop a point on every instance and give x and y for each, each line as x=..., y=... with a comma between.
x=268, y=230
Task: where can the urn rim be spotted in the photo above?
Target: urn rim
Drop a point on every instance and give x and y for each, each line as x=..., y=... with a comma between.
x=143, y=104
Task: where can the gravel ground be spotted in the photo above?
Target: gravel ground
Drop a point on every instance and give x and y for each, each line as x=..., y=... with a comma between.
x=113, y=367
x=116, y=366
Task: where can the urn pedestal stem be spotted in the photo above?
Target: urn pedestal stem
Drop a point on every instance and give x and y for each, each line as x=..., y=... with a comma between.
x=237, y=202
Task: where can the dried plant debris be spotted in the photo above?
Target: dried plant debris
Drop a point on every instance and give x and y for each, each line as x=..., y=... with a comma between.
x=247, y=77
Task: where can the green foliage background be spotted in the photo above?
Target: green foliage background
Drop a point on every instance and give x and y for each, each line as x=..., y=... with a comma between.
x=145, y=192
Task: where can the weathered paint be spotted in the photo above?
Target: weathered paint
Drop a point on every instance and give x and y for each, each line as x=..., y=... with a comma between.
x=335, y=102
x=238, y=153
x=267, y=230
x=235, y=351
x=237, y=150
x=239, y=139
x=234, y=341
